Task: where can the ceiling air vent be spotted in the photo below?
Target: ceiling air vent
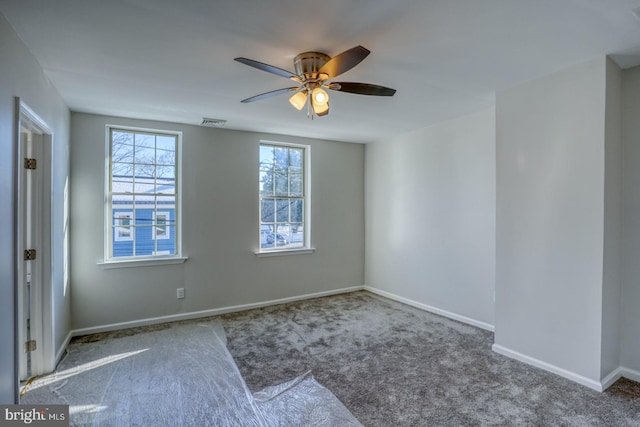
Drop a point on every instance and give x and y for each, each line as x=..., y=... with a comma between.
x=212, y=123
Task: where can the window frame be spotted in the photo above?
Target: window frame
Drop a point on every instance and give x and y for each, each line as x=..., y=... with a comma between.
x=109, y=261
x=306, y=196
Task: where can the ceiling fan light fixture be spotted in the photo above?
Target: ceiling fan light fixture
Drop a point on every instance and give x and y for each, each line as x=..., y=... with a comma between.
x=320, y=96
x=298, y=100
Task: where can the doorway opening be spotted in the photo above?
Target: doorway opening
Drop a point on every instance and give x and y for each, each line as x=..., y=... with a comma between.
x=34, y=321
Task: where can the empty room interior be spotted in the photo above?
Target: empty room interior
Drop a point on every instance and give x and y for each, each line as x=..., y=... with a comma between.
x=321, y=213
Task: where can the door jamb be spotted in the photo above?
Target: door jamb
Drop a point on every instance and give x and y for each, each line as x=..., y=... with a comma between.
x=45, y=359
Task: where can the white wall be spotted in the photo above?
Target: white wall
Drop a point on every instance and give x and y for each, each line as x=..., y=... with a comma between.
x=612, y=278
x=220, y=229
x=550, y=218
x=21, y=75
x=430, y=216
x=631, y=214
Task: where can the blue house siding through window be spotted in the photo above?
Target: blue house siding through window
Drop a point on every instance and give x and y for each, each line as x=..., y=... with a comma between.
x=152, y=226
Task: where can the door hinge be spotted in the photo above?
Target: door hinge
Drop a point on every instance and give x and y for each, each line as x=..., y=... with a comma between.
x=30, y=163
x=30, y=346
x=29, y=254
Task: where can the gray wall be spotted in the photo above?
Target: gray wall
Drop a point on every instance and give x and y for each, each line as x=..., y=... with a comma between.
x=631, y=214
x=430, y=216
x=220, y=229
x=550, y=218
x=21, y=75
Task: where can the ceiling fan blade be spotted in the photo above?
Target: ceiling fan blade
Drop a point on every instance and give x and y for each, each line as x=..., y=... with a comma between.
x=268, y=68
x=270, y=94
x=344, y=62
x=362, y=88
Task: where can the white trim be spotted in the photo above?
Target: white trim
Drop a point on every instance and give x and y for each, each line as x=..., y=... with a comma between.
x=207, y=313
x=41, y=299
x=142, y=262
x=62, y=349
x=301, y=251
x=630, y=374
x=607, y=381
x=580, y=379
x=431, y=309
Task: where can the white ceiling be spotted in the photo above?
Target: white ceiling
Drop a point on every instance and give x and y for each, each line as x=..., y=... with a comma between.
x=173, y=60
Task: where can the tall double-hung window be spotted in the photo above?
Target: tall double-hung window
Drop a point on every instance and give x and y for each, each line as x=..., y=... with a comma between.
x=142, y=195
x=284, y=198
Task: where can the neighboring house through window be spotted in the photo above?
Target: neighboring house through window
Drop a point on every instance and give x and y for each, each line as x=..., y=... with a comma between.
x=284, y=198
x=143, y=198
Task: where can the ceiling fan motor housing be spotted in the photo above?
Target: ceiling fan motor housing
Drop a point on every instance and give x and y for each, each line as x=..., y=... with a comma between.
x=307, y=64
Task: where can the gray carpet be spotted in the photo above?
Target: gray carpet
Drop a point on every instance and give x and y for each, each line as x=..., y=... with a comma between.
x=393, y=365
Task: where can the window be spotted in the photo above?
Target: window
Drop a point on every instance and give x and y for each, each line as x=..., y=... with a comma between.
x=143, y=205
x=284, y=200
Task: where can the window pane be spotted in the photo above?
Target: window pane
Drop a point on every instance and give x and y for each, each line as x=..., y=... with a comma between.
x=266, y=183
x=145, y=244
x=165, y=182
x=282, y=210
x=297, y=209
x=122, y=178
x=282, y=238
x=122, y=147
x=166, y=204
x=267, y=210
x=295, y=184
x=164, y=157
x=166, y=245
x=266, y=158
x=282, y=185
x=145, y=149
x=166, y=143
x=297, y=235
x=121, y=203
x=296, y=159
x=281, y=158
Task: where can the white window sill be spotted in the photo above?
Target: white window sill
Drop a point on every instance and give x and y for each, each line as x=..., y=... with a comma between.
x=144, y=262
x=283, y=252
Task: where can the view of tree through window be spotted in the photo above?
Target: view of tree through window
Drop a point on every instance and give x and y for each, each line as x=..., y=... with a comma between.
x=282, y=196
x=142, y=193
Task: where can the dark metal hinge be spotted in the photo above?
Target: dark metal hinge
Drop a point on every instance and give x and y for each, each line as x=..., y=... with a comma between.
x=30, y=163
x=29, y=254
x=30, y=346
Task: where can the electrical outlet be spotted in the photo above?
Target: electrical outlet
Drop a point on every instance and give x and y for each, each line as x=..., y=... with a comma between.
x=180, y=293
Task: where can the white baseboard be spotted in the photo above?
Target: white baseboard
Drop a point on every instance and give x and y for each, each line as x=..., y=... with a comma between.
x=62, y=348
x=588, y=382
x=435, y=310
x=630, y=374
x=608, y=381
x=205, y=313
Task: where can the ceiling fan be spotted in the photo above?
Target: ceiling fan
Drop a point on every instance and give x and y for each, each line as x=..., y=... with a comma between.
x=313, y=72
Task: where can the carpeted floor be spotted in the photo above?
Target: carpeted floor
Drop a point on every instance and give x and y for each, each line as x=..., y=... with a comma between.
x=393, y=365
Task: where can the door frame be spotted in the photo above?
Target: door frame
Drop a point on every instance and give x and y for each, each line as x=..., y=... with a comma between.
x=42, y=321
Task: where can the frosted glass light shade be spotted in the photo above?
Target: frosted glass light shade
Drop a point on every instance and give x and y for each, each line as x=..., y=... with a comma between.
x=298, y=100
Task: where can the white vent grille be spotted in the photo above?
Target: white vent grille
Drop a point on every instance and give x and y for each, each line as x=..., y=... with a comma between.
x=212, y=123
